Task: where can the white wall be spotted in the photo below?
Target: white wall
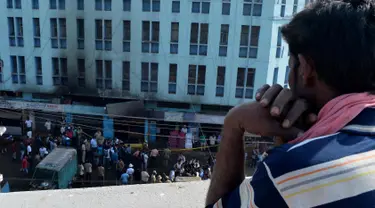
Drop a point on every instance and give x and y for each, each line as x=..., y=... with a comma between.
x=264, y=64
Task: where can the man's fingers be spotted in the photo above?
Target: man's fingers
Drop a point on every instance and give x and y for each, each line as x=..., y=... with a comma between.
x=298, y=108
x=261, y=91
x=282, y=99
x=270, y=95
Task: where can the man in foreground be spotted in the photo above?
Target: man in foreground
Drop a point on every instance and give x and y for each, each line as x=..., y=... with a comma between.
x=332, y=164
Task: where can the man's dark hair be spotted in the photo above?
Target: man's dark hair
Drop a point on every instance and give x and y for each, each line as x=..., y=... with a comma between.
x=338, y=37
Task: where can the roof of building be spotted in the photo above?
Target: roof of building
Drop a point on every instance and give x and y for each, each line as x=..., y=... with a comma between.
x=57, y=159
x=158, y=195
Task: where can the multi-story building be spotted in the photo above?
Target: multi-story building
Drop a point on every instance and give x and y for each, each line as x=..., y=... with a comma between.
x=200, y=52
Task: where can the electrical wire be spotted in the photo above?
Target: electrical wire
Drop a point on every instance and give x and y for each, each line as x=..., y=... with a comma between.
x=125, y=123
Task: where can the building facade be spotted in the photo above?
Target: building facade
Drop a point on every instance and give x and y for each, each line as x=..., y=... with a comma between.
x=211, y=52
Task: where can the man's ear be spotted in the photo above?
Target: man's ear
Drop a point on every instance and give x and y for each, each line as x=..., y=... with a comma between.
x=306, y=71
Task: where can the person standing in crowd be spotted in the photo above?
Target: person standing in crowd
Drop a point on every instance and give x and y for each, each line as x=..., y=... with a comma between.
x=101, y=172
x=212, y=140
x=62, y=129
x=145, y=161
x=203, y=142
x=29, y=127
x=130, y=172
x=153, y=158
x=107, y=158
x=114, y=155
x=88, y=149
x=166, y=155
x=28, y=150
x=88, y=171
x=94, y=145
x=184, y=129
x=48, y=126
x=120, y=167
x=42, y=151
x=22, y=150
x=25, y=165
x=83, y=152
x=145, y=177
x=81, y=172
x=128, y=150
x=124, y=178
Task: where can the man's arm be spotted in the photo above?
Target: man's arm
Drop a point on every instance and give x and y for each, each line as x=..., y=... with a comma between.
x=229, y=168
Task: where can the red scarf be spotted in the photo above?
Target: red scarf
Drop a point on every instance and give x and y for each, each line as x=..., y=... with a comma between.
x=337, y=113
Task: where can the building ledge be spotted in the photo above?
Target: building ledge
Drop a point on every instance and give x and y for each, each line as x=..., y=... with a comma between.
x=187, y=194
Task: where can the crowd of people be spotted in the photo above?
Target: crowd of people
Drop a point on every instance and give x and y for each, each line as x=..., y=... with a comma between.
x=107, y=157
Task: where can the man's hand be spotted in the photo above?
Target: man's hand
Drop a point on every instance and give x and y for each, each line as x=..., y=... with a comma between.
x=284, y=106
x=254, y=118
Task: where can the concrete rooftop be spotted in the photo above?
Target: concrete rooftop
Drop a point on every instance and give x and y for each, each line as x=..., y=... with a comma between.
x=187, y=194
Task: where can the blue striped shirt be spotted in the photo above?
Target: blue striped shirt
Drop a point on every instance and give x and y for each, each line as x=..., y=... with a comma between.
x=336, y=170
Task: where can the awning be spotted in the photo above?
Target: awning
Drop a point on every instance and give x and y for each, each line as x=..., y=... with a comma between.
x=131, y=108
x=10, y=115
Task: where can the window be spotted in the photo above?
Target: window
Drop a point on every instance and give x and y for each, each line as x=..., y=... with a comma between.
x=151, y=5
x=126, y=75
x=10, y=4
x=14, y=4
x=295, y=6
x=224, y=33
x=150, y=37
x=202, y=6
x=81, y=72
x=127, y=4
x=198, y=39
x=220, y=81
x=103, y=4
x=103, y=34
x=286, y=79
x=54, y=4
x=15, y=29
x=279, y=44
x=35, y=4
x=172, y=81
x=252, y=8
x=225, y=9
x=19, y=30
x=249, y=41
x=174, y=37
x=80, y=33
x=196, y=79
x=127, y=36
x=80, y=4
x=245, y=83
x=11, y=32
x=18, y=67
x=60, y=71
x=58, y=32
x=103, y=77
x=175, y=6
x=282, y=8
x=275, y=75
x=36, y=26
x=38, y=70
x=149, y=82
